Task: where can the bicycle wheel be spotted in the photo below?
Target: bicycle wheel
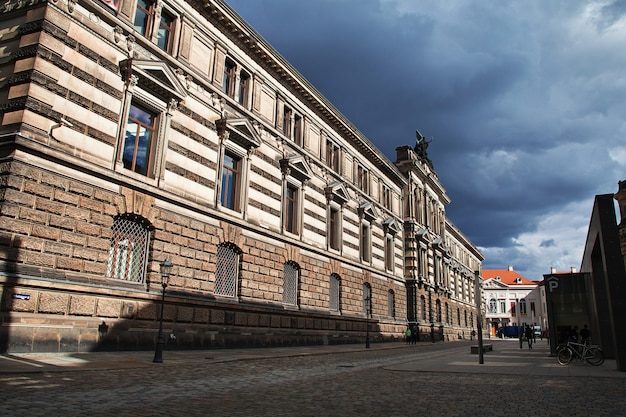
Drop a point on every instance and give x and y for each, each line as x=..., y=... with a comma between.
x=595, y=357
x=564, y=356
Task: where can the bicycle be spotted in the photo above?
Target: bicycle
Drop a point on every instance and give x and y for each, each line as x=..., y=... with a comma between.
x=592, y=354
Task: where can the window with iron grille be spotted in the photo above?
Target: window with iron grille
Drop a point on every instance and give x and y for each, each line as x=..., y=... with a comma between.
x=423, y=302
x=290, y=284
x=128, y=249
x=438, y=306
x=335, y=282
x=367, y=299
x=226, y=271
x=391, y=304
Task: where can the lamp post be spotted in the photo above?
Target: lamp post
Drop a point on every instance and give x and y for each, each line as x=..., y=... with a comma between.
x=165, y=268
x=519, y=322
x=368, y=313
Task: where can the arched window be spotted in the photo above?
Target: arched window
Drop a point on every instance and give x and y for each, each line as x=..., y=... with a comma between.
x=438, y=304
x=391, y=304
x=128, y=250
x=367, y=299
x=227, y=270
x=522, y=306
x=335, y=293
x=291, y=274
x=493, y=306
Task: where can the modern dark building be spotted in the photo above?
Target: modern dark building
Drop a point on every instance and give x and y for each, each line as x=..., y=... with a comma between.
x=595, y=296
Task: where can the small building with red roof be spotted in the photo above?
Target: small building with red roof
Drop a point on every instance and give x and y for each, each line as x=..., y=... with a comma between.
x=512, y=300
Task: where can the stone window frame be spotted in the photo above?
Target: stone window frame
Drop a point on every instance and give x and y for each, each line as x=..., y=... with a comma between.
x=296, y=173
x=239, y=139
x=367, y=215
x=154, y=87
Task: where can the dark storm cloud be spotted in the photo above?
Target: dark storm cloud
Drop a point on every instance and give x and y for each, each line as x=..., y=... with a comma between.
x=524, y=101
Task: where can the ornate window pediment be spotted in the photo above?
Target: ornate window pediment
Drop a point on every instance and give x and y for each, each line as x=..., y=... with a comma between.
x=240, y=131
x=391, y=226
x=155, y=77
x=337, y=192
x=367, y=212
x=296, y=167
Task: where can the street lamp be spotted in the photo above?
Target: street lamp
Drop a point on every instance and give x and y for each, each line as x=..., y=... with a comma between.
x=368, y=313
x=165, y=268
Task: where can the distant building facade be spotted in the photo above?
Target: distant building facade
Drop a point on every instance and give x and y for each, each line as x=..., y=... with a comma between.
x=137, y=131
x=512, y=300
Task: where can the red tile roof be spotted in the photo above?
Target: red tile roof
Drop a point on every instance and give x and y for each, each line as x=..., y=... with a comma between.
x=507, y=277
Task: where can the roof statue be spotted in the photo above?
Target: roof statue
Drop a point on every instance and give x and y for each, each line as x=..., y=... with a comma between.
x=421, y=147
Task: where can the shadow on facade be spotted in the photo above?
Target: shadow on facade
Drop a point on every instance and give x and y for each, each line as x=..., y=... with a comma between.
x=9, y=251
x=194, y=325
x=65, y=316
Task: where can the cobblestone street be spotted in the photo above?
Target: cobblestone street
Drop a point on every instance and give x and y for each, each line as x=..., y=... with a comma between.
x=376, y=382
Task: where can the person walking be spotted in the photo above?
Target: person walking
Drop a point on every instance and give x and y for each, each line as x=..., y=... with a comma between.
x=529, y=336
x=408, y=335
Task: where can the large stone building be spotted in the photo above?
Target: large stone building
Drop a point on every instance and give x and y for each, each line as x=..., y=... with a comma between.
x=135, y=131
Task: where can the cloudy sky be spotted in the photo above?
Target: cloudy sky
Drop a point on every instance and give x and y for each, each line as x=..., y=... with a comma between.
x=525, y=101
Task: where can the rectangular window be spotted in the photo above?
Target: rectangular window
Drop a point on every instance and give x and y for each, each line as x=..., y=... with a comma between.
x=228, y=81
x=362, y=179
x=332, y=156
x=139, y=141
x=366, y=246
x=513, y=309
x=291, y=207
x=143, y=17
x=297, y=130
x=165, y=31
x=244, y=86
x=334, y=232
x=287, y=121
x=389, y=253
x=502, y=307
x=387, y=197
x=230, y=181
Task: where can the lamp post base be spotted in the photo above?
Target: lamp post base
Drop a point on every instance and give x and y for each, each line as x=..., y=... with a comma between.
x=158, y=353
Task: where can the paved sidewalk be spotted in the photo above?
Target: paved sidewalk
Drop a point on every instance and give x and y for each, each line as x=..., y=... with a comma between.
x=506, y=358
